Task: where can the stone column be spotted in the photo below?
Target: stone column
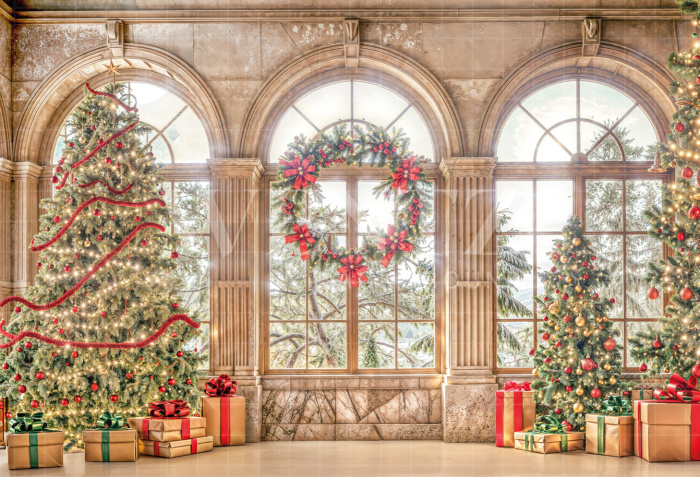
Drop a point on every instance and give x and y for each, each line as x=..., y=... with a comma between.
x=470, y=384
x=6, y=206
x=235, y=228
x=26, y=220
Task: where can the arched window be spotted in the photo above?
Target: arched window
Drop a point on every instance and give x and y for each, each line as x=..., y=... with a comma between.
x=574, y=147
x=315, y=323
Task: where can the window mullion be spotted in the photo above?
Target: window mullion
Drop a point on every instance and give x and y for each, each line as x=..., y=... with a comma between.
x=352, y=313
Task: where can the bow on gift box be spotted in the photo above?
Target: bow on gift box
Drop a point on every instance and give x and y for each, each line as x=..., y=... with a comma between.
x=303, y=236
x=110, y=421
x=547, y=425
x=678, y=389
x=221, y=386
x=616, y=406
x=516, y=386
x=175, y=409
x=25, y=422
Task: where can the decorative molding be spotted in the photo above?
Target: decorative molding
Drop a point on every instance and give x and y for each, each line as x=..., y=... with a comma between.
x=115, y=37
x=6, y=169
x=236, y=167
x=351, y=42
x=27, y=171
x=468, y=167
x=591, y=34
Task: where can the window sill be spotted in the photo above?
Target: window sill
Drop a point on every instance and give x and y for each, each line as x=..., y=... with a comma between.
x=353, y=381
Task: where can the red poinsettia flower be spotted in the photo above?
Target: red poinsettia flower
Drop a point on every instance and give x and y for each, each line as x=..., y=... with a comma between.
x=405, y=172
x=395, y=241
x=352, y=269
x=301, y=169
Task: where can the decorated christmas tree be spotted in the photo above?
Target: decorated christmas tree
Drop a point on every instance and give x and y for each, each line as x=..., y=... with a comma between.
x=101, y=328
x=675, y=346
x=578, y=360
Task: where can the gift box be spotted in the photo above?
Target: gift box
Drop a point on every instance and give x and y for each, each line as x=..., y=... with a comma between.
x=667, y=429
x=32, y=445
x=176, y=448
x=224, y=412
x=641, y=394
x=515, y=411
x=110, y=441
x=168, y=421
x=548, y=437
x=3, y=421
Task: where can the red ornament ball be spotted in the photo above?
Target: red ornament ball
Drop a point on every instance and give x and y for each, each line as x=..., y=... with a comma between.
x=569, y=427
x=103, y=314
x=558, y=344
x=609, y=344
x=686, y=293
x=66, y=268
x=137, y=218
x=119, y=145
x=612, y=300
x=545, y=336
x=28, y=344
x=74, y=354
x=54, y=354
x=643, y=367
x=60, y=331
x=77, y=399
x=5, y=365
x=175, y=305
x=35, y=403
x=179, y=354
x=189, y=381
x=653, y=293
x=532, y=352
x=96, y=212
x=567, y=370
x=162, y=389
x=696, y=371
x=64, y=402
x=22, y=389
x=569, y=389
x=694, y=213
x=171, y=382
x=595, y=393
x=74, y=309
x=679, y=127
x=173, y=334
x=40, y=376
x=687, y=173
x=94, y=386
x=174, y=254
x=100, y=238
x=657, y=343
x=56, y=219
x=588, y=364
x=129, y=375
x=680, y=236
x=557, y=411
x=17, y=309
x=144, y=243
x=161, y=192
x=16, y=377
x=114, y=398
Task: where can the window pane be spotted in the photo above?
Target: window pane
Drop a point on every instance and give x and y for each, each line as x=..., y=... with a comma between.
x=290, y=126
x=603, y=103
x=374, y=213
x=193, y=271
x=519, y=138
x=156, y=105
x=603, y=206
x=416, y=276
x=417, y=132
x=327, y=210
x=639, y=327
x=608, y=250
x=550, y=150
x=416, y=345
x=566, y=135
x=641, y=195
x=429, y=217
x=514, y=206
x=277, y=223
x=514, y=344
x=160, y=151
x=191, y=209
x=545, y=245
x=327, y=345
x=287, y=283
x=326, y=295
x=607, y=150
x=376, y=345
x=188, y=138
x=638, y=136
x=555, y=204
x=376, y=301
x=514, y=267
x=553, y=104
x=58, y=151
x=327, y=104
x=200, y=343
x=287, y=345
x=380, y=106
x=641, y=249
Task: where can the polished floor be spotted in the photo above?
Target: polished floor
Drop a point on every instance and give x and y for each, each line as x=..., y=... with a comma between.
x=385, y=458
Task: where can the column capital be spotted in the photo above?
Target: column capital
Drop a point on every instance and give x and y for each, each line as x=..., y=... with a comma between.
x=6, y=169
x=236, y=167
x=468, y=166
x=27, y=171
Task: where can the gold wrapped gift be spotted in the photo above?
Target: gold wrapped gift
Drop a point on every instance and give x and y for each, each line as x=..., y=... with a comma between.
x=176, y=448
x=663, y=431
x=108, y=445
x=225, y=419
x=643, y=394
x=610, y=435
x=164, y=430
x=515, y=411
x=32, y=450
x=549, y=443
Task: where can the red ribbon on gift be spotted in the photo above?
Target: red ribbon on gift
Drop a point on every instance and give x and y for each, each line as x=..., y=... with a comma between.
x=679, y=389
x=395, y=241
x=303, y=236
x=517, y=390
x=353, y=270
x=224, y=388
x=516, y=386
x=155, y=448
x=194, y=446
x=175, y=409
x=301, y=169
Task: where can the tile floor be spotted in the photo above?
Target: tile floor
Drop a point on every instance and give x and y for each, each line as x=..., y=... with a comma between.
x=385, y=458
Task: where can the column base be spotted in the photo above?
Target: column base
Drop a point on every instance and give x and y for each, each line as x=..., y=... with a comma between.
x=251, y=389
x=469, y=411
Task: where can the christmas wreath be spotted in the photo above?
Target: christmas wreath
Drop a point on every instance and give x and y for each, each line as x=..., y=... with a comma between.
x=299, y=169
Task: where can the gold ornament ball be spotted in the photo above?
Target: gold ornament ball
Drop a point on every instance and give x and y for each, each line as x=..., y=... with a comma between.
x=599, y=320
x=569, y=279
x=579, y=371
x=576, y=242
x=564, y=259
x=578, y=408
x=580, y=320
x=578, y=288
x=586, y=333
x=612, y=380
x=535, y=372
x=82, y=139
x=605, y=318
x=601, y=382
x=574, y=267
x=568, y=329
x=557, y=328
x=666, y=370
x=607, y=367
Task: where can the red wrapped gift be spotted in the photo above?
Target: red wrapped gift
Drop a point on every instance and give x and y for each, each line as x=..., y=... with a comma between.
x=515, y=412
x=224, y=412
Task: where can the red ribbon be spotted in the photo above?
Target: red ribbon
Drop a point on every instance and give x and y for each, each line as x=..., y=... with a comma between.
x=225, y=421
x=515, y=386
x=155, y=448
x=679, y=389
x=303, y=236
x=394, y=241
x=300, y=169
x=352, y=269
x=144, y=428
x=175, y=409
x=221, y=386
x=194, y=446
x=405, y=172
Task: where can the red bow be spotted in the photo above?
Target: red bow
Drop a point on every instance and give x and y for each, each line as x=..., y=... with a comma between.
x=405, y=172
x=395, y=241
x=168, y=409
x=352, y=269
x=300, y=169
x=678, y=389
x=221, y=386
x=303, y=236
x=515, y=386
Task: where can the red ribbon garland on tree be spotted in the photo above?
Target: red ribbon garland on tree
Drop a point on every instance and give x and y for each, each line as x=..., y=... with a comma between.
x=111, y=96
x=84, y=280
x=300, y=169
x=63, y=181
x=87, y=203
x=109, y=188
x=176, y=408
x=405, y=172
x=395, y=241
x=221, y=386
x=352, y=269
x=81, y=344
x=105, y=143
x=303, y=236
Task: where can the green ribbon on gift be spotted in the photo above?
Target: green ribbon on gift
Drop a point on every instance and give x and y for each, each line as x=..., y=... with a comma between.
x=108, y=422
x=616, y=406
x=546, y=425
x=31, y=424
